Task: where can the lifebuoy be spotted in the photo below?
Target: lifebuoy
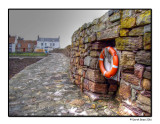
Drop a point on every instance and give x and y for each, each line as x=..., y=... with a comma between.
x=113, y=71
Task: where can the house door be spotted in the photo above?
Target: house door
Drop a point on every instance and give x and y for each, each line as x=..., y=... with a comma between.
x=23, y=49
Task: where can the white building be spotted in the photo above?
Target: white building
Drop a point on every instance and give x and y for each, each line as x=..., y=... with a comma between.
x=48, y=43
x=12, y=43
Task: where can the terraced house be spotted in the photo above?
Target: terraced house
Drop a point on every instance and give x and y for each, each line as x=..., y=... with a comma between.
x=12, y=43
x=26, y=45
x=47, y=44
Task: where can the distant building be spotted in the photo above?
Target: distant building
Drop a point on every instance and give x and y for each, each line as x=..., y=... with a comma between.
x=12, y=43
x=25, y=46
x=48, y=44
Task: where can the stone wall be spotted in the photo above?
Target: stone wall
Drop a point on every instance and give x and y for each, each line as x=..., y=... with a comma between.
x=129, y=31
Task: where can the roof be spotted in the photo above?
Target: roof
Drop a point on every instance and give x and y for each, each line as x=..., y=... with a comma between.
x=48, y=39
x=11, y=39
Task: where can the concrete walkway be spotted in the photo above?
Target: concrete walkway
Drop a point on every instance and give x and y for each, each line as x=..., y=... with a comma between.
x=44, y=89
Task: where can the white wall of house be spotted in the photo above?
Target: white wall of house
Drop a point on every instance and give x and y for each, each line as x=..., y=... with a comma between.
x=48, y=45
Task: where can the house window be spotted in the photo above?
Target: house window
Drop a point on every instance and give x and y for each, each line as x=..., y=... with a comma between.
x=10, y=45
x=29, y=45
x=53, y=44
x=19, y=45
x=41, y=44
x=10, y=49
x=45, y=44
x=50, y=44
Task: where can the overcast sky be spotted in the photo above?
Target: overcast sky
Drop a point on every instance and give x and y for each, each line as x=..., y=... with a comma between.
x=50, y=23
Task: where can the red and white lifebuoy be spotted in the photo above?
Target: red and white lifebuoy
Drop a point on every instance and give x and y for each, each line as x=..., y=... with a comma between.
x=113, y=71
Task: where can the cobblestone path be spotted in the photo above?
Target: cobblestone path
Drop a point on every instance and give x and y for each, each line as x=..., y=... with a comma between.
x=44, y=89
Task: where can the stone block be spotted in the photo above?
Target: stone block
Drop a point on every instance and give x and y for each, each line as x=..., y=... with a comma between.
x=99, y=27
x=81, y=62
x=127, y=69
x=144, y=100
x=86, y=84
x=146, y=93
x=127, y=58
x=131, y=78
x=127, y=13
x=115, y=17
x=87, y=53
x=129, y=43
x=87, y=60
x=95, y=76
x=98, y=45
x=80, y=71
x=138, y=70
x=97, y=88
x=128, y=22
x=147, y=41
x=111, y=25
x=77, y=82
x=144, y=18
x=94, y=63
x=112, y=87
x=133, y=94
x=137, y=31
x=144, y=107
x=95, y=21
x=108, y=33
x=143, y=57
x=110, y=12
x=77, y=60
x=124, y=90
x=92, y=37
x=95, y=53
x=147, y=74
x=124, y=32
x=147, y=28
x=87, y=46
x=104, y=17
x=146, y=84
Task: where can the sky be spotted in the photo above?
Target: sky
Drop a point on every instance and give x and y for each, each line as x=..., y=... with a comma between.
x=28, y=24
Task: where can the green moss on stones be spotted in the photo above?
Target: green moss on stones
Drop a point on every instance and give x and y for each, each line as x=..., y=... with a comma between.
x=144, y=18
x=147, y=41
x=128, y=22
x=124, y=32
x=136, y=31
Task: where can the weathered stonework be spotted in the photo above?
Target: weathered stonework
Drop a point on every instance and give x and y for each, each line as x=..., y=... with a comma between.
x=124, y=90
x=108, y=33
x=115, y=17
x=131, y=78
x=138, y=70
x=144, y=18
x=124, y=32
x=95, y=76
x=129, y=43
x=143, y=57
x=137, y=31
x=147, y=41
x=146, y=84
x=129, y=33
x=128, y=22
x=127, y=58
x=94, y=53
